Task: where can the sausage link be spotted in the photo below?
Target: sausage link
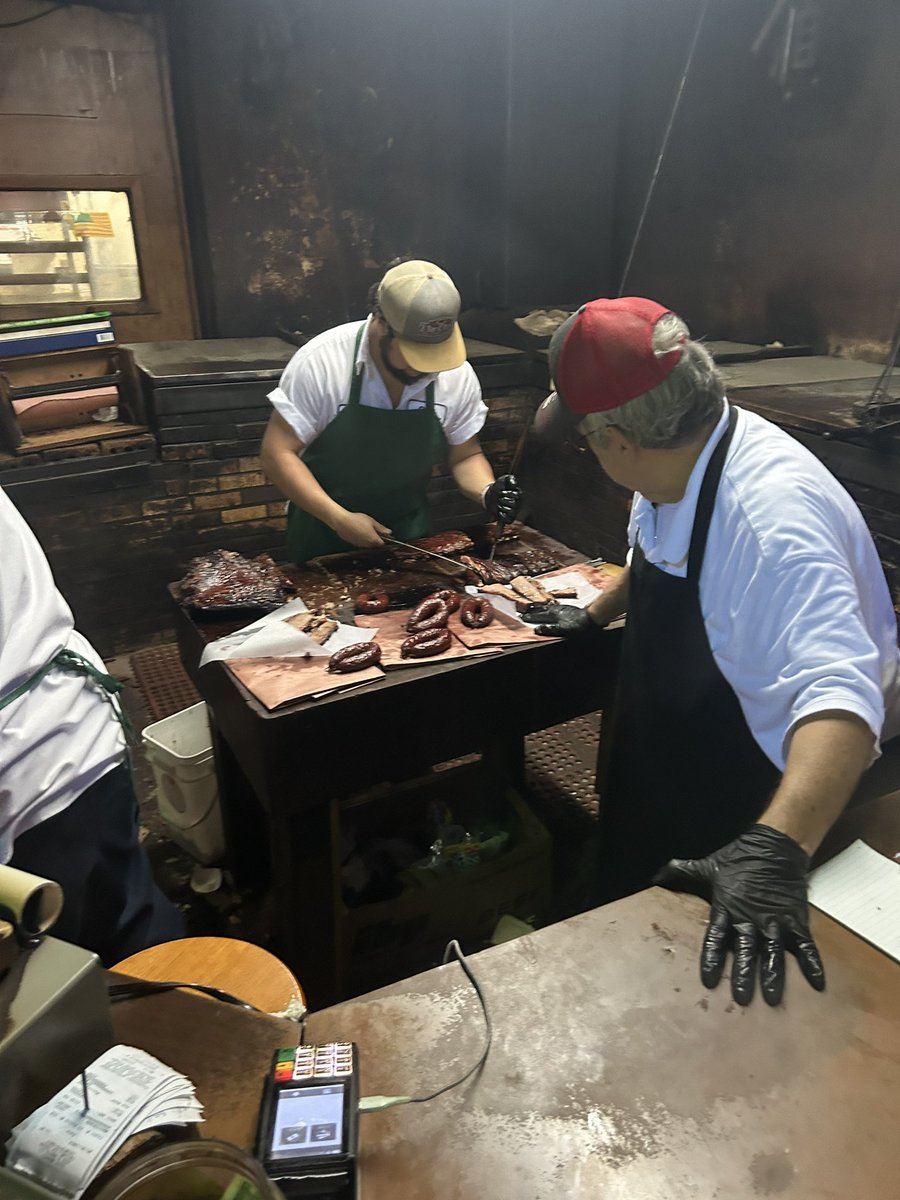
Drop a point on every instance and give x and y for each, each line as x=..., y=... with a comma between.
x=476, y=612
x=450, y=595
x=372, y=602
x=432, y=613
x=426, y=643
x=355, y=658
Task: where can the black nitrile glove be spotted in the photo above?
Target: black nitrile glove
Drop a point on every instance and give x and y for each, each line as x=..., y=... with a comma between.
x=560, y=620
x=756, y=886
x=503, y=498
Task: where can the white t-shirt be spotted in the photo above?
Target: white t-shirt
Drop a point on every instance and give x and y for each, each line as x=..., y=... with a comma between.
x=316, y=383
x=793, y=595
x=58, y=738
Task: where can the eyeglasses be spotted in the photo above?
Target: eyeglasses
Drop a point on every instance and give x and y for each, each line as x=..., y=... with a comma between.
x=593, y=424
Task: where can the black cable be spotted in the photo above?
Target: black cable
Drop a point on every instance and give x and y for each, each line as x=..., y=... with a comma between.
x=454, y=947
x=150, y=987
x=36, y=16
x=651, y=187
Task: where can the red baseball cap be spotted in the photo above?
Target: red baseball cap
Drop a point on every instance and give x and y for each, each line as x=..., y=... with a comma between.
x=602, y=357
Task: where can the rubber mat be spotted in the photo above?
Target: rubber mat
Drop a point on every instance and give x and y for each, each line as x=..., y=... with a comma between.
x=163, y=681
x=560, y=769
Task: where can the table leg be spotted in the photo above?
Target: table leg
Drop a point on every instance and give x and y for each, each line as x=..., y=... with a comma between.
x=305, y=852
x=507, y=756
x=244, y=821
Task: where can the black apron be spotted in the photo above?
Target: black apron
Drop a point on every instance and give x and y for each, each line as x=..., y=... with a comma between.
x=685, y=774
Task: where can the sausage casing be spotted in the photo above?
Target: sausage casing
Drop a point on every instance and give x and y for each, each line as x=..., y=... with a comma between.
x=372, y=602
x=355, y=658
x=432, y=613
x=450, y=595
x=476, y=612
x=426, y=643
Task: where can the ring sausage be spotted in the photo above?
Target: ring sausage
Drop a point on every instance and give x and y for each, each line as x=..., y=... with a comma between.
x=372, y=602
x=451, y=596
x=476, y=612
x=355, y=658
x=426, y=643
x=432, y=613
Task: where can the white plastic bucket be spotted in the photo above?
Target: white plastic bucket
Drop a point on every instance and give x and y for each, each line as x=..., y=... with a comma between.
x=179, y=750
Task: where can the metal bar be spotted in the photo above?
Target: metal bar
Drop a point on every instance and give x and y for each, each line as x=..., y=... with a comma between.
x=42, y=247
x=22, y=280
x=651, y=188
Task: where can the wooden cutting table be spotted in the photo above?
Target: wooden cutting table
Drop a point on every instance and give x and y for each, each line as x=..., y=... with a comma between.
x=615, y=1073
x=282, y=774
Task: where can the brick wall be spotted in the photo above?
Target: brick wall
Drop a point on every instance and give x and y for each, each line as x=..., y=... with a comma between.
x=115, y=535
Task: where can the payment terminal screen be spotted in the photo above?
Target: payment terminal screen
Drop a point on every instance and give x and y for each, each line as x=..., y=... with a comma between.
x=309, y=1121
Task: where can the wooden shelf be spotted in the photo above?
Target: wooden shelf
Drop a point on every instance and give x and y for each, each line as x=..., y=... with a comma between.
x=92, y=431
x=32, y=374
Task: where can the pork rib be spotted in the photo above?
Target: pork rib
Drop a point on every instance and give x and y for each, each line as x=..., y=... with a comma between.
x=225, y=579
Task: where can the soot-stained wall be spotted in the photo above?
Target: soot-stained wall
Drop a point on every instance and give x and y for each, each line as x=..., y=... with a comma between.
x=514, y=143
x=777, y=203
x=319, y=140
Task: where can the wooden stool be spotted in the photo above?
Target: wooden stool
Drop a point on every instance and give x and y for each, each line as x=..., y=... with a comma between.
x=240, y=968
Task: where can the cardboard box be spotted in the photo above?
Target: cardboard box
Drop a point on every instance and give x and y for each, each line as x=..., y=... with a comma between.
x=391, y=939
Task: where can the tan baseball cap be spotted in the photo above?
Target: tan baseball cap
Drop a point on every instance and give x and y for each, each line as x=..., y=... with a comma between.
x=421, y=304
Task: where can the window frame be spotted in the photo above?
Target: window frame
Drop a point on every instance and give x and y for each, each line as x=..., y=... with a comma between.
x=131, y=185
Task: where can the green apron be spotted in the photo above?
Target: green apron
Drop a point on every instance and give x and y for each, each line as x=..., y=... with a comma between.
x=372, y=460
x=77, y=664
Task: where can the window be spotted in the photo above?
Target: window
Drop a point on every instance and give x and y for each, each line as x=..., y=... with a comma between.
x=60, y=247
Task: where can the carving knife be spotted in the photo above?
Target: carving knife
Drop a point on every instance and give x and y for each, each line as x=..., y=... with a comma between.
x=513, y=467
x=454, y=562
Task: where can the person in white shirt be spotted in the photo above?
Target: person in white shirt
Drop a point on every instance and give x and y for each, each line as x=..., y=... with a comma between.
x=68, y=810
x=760, y=668
x=363, y=412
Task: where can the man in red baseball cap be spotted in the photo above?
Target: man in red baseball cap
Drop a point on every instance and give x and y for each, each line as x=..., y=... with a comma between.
x=760, y=669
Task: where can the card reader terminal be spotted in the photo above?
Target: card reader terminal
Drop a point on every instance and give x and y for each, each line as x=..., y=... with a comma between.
x=308, y=1130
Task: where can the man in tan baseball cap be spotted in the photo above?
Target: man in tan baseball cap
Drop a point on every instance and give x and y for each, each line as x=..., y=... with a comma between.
x=364, y=411
x=420, y=304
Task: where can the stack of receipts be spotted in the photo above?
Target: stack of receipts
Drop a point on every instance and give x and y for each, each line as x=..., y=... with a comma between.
x=65, y=1145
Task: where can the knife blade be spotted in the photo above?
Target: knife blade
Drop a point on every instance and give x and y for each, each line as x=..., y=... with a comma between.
x=419, y=550
x=497, y=532
x=513, y=467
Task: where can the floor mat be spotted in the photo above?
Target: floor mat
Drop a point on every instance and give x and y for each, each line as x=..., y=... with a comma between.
x=164, y=684
x=561, y=764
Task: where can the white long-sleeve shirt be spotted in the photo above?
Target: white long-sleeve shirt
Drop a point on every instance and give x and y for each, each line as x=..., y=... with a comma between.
x=62, y=736
x=792, y=592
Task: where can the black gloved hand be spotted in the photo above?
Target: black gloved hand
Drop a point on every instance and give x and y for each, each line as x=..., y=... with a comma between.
x=503, y=498
x=560, y=620
x=757, y=888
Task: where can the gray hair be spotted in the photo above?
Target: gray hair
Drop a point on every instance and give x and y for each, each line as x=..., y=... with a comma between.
x=674, y=412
